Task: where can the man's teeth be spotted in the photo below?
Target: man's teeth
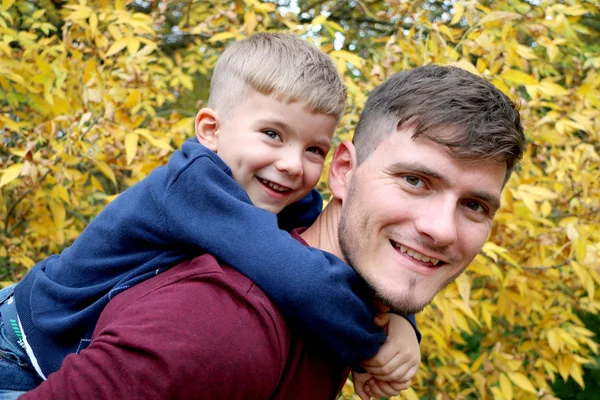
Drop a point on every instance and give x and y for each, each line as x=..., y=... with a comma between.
x=275, y=186
x=417, y=256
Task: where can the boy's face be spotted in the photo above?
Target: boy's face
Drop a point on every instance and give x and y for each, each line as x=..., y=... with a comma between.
x=275, y=150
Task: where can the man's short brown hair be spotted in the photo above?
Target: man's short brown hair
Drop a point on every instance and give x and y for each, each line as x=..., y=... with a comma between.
x=449, y=106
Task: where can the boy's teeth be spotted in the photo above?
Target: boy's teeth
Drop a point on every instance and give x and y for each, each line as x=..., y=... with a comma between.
x=418, y=256
x=274, y=186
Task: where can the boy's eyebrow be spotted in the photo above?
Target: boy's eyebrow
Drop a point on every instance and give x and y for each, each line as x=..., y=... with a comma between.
x=489, y=198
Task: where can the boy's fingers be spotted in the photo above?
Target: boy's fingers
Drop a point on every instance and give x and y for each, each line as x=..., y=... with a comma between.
x=394, y=370
x=399, y=386
x=360, y=386
x=385, y=356
x=382, y=319
x=381, y=388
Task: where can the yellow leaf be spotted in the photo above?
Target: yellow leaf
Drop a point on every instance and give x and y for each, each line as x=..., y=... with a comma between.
x=538, y=193
x=117, y=46
x=133, y=99
x=154, y=142
x=496, y=393
x=580, y=250
x=576, y=10
x=546, y=208
x=572, y=232
x=552, y=51
x=59, y=214
x=526, y=52
x=106, y=171
x=131, y=145
x=554, y=341
x=464, y=287
x=348, y=57
x=459, y=10
x=506, y=387
x=82, y=13
x=319, y=20
x=519, y=77
x=552, y=89
x=576, y=374
x=498, y=16
x=11, y=173
x=93, y=24
x=223, y=36
x=251, y=22
x=6, y=4
x=59, y=192
x=521, y=381
x=133, y=45
x=466, y=65
x=410, y=394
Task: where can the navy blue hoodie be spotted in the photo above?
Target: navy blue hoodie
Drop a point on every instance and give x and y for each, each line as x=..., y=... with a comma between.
x=181, y=210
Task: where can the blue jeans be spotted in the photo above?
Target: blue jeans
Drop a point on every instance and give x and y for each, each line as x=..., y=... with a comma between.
x=16, y=373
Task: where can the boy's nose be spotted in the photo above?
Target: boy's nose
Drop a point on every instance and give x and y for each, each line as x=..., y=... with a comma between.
x=290, y=164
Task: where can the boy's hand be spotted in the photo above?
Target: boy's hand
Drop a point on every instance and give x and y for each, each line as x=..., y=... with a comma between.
x=399, y=357
x=366, y=386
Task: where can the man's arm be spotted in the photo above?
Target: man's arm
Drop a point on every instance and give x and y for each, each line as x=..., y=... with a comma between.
x=192, y=338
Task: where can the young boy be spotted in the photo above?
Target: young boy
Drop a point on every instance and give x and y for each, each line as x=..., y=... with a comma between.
x=274, y=103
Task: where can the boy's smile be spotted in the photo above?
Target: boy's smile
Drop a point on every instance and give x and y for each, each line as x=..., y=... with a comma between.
x=276, y=150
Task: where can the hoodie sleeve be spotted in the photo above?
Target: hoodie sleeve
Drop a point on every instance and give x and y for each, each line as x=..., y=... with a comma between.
x=205, y=209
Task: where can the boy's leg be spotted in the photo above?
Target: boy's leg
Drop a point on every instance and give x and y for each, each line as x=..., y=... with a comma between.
x=16, y=373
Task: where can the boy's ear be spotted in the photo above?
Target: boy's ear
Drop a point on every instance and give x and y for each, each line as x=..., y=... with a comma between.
x=341, y=169
x=207, y=128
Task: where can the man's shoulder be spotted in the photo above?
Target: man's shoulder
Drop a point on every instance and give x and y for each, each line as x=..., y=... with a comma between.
x=182, y=283
x=202, y=310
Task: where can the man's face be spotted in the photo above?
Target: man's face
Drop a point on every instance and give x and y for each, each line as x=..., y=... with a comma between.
x=414, y=217
x=275, y=150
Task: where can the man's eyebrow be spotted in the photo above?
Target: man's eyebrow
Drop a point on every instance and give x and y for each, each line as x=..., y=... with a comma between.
x=489, y=198
x=418, y=168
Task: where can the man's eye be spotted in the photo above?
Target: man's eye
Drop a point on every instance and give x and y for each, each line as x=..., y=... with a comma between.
x=475, y=206
x=414, y=181
x=272, y=134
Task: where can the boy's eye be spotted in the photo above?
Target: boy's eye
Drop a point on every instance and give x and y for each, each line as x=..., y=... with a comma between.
x=317, y=150
x=414, y=181
x=272, y=134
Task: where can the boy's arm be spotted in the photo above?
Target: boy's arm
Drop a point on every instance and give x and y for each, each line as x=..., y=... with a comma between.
x=205, y=209
x=302, y=213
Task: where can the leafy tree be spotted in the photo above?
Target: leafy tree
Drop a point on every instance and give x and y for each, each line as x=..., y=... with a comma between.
x=95, y=94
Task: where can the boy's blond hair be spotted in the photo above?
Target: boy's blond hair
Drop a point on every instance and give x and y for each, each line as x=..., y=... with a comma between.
x=281, y=65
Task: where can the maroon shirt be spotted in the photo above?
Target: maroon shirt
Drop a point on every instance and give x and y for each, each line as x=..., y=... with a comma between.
x=197, y=331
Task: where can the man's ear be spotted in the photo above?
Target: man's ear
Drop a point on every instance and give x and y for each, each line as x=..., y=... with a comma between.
x=207, y=128
x=341, y=169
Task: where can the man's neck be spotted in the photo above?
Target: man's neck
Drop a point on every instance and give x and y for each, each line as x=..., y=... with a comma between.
x=323, y=234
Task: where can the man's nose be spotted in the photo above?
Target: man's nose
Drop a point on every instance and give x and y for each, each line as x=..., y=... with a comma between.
x=438, y=222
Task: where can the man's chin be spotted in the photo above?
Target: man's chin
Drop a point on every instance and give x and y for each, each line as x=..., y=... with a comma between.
x=402, y=304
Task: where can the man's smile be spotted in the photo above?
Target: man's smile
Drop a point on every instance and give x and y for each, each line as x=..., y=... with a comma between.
x=416, y=255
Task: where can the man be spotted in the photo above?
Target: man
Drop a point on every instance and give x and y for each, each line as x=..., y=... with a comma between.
x=413, y=201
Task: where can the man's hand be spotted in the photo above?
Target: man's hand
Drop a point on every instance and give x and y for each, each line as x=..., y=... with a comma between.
x=396, y=363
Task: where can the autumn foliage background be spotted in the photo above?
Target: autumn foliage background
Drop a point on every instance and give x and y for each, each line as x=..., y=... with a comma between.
x=96, y=94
